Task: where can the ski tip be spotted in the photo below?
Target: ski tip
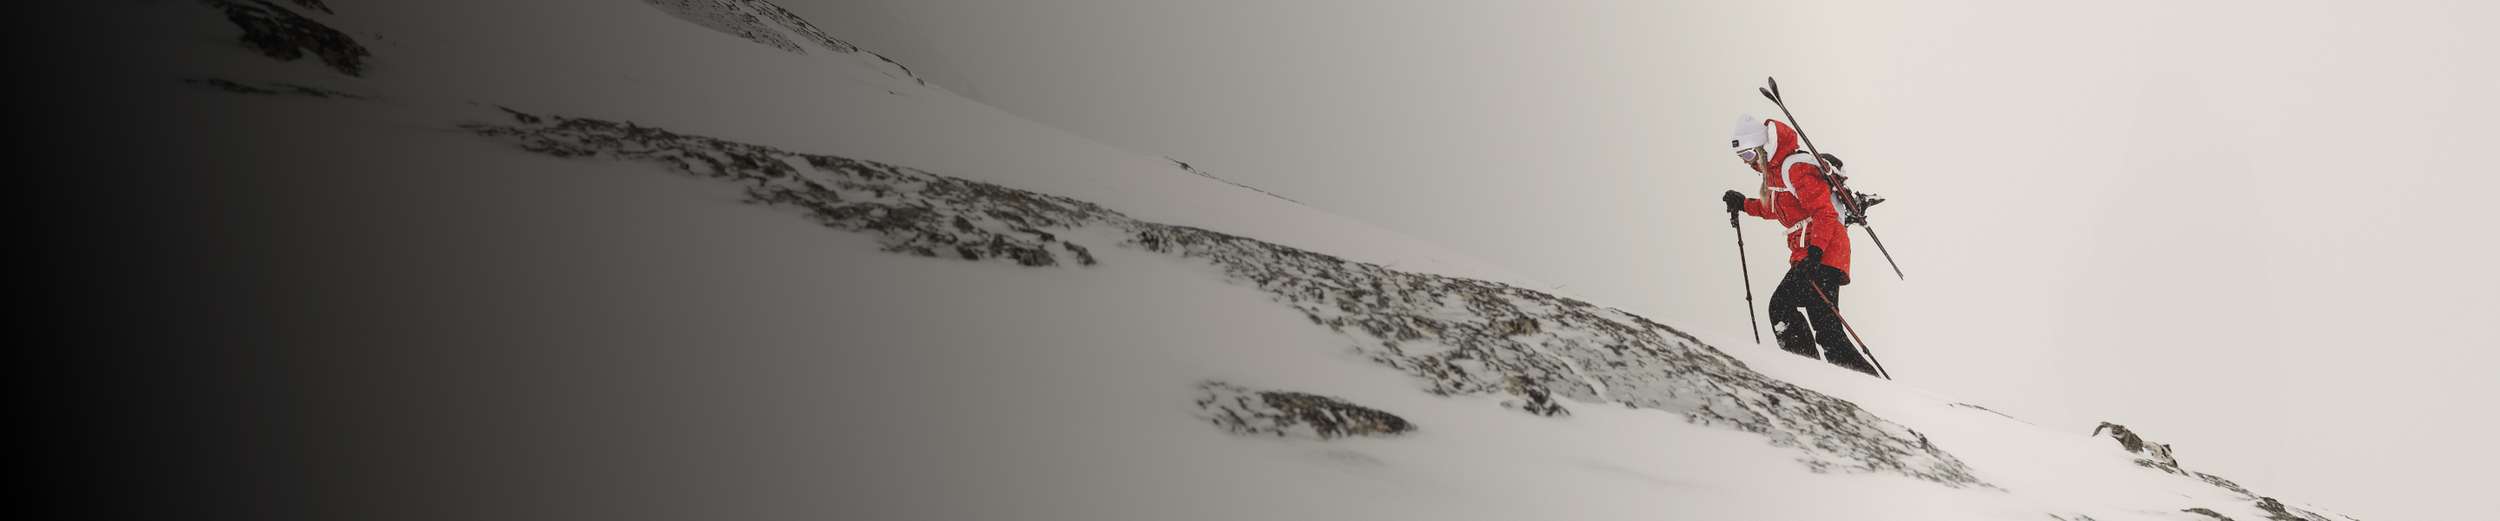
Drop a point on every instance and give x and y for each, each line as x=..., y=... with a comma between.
x=1767, y=94
x=1773, y=82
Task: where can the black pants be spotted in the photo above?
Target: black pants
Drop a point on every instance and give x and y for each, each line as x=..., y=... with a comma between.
x=1808, y=326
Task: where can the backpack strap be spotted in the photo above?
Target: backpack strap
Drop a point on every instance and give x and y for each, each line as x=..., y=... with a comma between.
x=1802, y=156
x=1799, y=156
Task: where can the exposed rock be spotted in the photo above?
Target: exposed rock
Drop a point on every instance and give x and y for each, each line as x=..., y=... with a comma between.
x=270, y=88
x=1515, y=327
x=2224, y=483
x=2158, y=456
x=2207, y=512
x=1241, y=410
x=1083, y=256
x=315, y=4
x=2277, y=511
x=735, y=17
x=523, y=117
x=1455, y=336
x=791, y=21
x=2155, y=456
x=1533, y=399
x=747, y=19
x=911, y=211
x=286, y=36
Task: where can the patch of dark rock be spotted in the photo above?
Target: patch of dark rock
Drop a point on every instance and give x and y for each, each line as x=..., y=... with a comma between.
x=283, y=35
x=523, y=117
x=1515, y=327
x=915, y=78
x=733, y=17
x=748, y=18
x=270, y=88
x=2155, y=456
x=1533, y=399
x=315, y=4
x=2277, y=511
x=792, y=21
x=909, y=210
x=1083, y=256
x=2224, y=483
x=1241, y=410
x=2207, y=512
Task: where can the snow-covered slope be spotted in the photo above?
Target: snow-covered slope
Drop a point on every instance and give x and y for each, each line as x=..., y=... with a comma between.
x=613, y=259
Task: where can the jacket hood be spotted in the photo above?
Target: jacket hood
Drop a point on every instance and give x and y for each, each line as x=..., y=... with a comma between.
x=1783, y=138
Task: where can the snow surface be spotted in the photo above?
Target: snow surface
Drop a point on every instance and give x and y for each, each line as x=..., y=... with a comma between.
x=537, y=336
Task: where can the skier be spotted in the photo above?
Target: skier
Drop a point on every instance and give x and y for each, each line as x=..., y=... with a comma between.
x=1804, y=314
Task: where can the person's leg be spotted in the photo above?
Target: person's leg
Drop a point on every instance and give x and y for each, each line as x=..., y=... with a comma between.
x=1829, y=331
x=1788, y=325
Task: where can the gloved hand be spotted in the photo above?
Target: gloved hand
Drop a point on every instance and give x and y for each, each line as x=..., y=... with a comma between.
x=1814, y=255
x=1735, y=201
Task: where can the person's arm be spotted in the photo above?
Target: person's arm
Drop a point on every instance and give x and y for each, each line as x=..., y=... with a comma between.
x=1737, y=202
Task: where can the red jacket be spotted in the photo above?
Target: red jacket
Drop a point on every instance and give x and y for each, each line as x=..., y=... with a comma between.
x=1801, y=201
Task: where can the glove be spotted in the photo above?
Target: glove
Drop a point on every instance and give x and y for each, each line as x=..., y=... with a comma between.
x=1814, y=255
x=1735, y=201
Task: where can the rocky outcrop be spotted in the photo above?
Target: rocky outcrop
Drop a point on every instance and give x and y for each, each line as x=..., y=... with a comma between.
x=735, y=17
x=2277, y=511
x=748, y=19
x=282, y=34
x=2207, y=512
x=1454, y=336
x=2155, y=456
x=274, y=88
x=2158, y=456
x=1532, y=398
x=2224, y=484
x=910, y=211
x=1289, y=414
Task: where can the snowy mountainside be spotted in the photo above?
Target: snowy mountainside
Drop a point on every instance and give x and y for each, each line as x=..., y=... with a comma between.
x=1071, y=331
x=1459, y=336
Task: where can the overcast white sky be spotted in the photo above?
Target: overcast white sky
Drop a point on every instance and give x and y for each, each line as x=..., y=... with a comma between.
x=2258, y=231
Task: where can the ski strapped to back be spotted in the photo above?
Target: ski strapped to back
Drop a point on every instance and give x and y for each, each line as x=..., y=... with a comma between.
x=1857, y=207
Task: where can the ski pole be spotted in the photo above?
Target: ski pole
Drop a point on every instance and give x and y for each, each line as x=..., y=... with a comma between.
x=1863, y=350
x=1820, y=162
x=1750, y=320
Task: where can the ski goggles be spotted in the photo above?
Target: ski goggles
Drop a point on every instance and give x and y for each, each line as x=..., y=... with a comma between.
x=1750, y=154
